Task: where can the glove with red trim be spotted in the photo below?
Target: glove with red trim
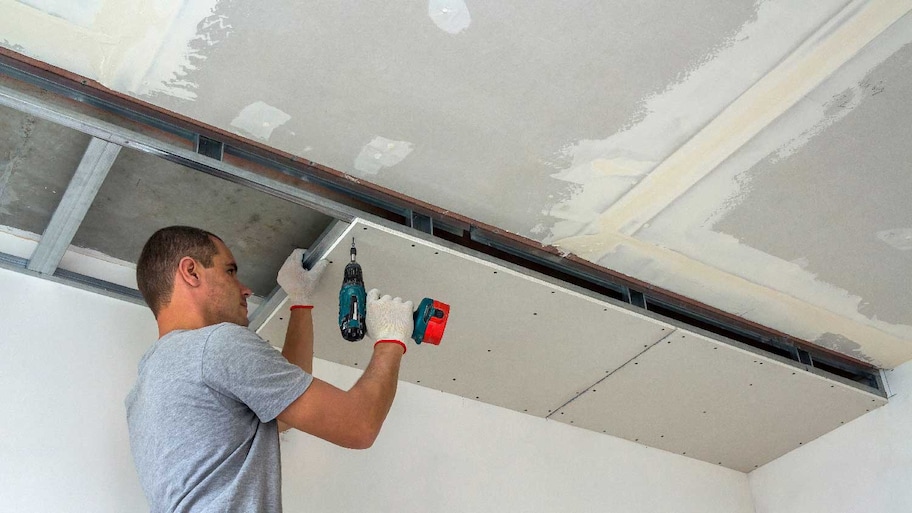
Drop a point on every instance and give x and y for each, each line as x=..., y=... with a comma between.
x=389, y=319
x=297, y=282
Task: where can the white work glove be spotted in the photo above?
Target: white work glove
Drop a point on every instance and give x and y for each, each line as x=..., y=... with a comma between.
x=389, y=319
x=297, y=282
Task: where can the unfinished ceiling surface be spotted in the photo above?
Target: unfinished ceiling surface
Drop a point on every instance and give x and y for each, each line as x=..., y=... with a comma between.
x=750, y=155
x=540, y=348
x=37, y=161
x=141, y=194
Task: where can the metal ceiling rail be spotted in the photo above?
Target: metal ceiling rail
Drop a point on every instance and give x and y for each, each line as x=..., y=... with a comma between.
x=73, y=206
x=275, y=299
x=130, y=139
x=81, y=281
x=247, y=163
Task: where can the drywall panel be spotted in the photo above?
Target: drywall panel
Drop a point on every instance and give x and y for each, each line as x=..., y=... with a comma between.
x=865, y=465
x=709, y=400
x=512, y=340
x=440, y=453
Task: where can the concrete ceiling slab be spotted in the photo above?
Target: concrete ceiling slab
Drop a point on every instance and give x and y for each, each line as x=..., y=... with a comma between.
x=708, y=400
x=553, y=352
x=143, y=193
x=37, y=160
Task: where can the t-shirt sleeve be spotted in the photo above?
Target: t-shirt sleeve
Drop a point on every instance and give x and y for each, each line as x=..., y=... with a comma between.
x=241, y=365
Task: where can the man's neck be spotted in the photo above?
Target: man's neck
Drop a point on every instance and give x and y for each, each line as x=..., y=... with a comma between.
x=169, y=320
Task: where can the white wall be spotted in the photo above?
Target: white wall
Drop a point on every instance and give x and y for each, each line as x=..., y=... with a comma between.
x=863, y=466
x=68, y=357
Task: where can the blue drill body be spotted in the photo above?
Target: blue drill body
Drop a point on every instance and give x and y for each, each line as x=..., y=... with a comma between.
x=429, y=319
x=352, y=301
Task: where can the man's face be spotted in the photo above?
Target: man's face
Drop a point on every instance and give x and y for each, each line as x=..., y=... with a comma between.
x=226, y=295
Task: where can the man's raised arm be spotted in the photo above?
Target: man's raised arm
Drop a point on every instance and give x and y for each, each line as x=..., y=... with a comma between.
x=347, y=418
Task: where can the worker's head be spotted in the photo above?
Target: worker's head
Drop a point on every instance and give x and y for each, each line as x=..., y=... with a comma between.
x=201, y=266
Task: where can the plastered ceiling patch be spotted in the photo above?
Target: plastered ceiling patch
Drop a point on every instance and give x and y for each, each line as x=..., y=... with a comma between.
x=599, y=183
x=81, y=13
x=452, y=16
x=259, y=119
x=899, y=238
x=169, y=47
x=380, y=153
x=141, y=47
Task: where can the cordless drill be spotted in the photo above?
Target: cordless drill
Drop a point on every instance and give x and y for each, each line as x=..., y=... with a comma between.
x=352, y=300
x=429, y=319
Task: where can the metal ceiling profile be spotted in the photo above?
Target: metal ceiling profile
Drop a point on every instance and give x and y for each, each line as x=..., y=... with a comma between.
x=114, y=120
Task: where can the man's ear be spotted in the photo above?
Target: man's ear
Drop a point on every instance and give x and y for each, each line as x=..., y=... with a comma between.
x=188, y=271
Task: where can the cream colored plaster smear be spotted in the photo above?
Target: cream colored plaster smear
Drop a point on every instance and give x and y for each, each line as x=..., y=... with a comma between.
x=136, y=47
x=884, y=344
x=81, y=13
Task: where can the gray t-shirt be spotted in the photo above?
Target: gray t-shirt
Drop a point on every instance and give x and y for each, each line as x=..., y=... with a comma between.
x=202, y=420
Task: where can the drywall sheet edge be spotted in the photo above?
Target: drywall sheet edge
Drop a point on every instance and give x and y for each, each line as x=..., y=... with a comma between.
x=706, y=399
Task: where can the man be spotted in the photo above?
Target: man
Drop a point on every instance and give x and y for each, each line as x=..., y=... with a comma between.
x=211, y=396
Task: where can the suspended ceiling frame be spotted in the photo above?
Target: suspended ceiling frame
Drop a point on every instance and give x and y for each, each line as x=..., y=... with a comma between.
x=113, y=119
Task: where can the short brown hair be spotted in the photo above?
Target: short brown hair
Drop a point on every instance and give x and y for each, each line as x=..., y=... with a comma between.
x=161, y=255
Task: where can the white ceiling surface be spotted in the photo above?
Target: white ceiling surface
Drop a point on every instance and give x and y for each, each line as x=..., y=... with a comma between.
x=547, y=351
x=750, y=155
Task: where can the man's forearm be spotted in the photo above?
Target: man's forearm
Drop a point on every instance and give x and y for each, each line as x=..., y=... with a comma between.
x=299, y=339
x=350, y=419
x=379, y=381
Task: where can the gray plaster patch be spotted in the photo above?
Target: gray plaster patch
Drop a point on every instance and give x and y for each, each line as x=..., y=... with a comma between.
x=843, y=345
x=899, y=238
